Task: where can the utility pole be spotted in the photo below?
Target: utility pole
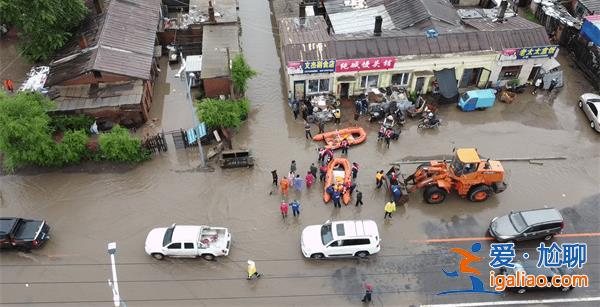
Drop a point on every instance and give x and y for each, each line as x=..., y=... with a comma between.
x=114, y=284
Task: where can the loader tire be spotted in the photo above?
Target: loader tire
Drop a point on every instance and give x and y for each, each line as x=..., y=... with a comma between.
x=480, y=193
x=434, y=195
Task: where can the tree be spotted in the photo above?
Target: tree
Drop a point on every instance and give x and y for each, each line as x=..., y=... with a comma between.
x=224, y=114
x=241, y=72
x=119, y=146
x=24, y=134
x=44, y=24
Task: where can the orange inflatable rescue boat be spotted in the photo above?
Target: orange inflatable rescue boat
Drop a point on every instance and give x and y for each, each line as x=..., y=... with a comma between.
x=338, y=172
x=354, y=135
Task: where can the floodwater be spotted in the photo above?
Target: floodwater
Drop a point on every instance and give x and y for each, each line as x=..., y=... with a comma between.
x=11, y=65
x=88, y=207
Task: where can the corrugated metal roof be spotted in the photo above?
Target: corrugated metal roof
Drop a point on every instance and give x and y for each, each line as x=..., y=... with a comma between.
x=121, y=42
x=227, y=9
x=591, y=5
x=215, y=41
x=360, y=20
x=79, y=97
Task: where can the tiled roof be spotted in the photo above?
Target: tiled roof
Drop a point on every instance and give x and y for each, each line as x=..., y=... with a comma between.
x=121, y=41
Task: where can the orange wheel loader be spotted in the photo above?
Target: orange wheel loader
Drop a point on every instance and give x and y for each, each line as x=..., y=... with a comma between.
x=466, y=174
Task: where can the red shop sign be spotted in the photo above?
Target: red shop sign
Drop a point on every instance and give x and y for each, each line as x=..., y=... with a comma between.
x=365, y=64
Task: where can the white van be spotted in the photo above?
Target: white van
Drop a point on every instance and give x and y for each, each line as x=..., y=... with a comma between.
x=340, y=239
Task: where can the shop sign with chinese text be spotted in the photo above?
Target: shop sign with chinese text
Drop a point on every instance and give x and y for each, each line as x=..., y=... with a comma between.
x=318, y=66
x=529, y=53
x=365, y=64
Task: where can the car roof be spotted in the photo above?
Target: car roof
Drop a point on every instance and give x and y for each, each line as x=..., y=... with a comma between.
x=544, y=215
x=355, y=228
x=530, y=267
x=185, y=233
x=468, y=155
x=485, y=93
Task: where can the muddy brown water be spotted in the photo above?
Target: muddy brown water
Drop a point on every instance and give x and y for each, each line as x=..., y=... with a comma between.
x=87, y=209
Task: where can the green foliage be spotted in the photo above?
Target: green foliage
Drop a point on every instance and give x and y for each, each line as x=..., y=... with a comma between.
x=241, y=72
x=223, y=113
x=530, y=16
x=72, y=147
x=119, y=146
x=71, y=122
x=513, y=82
x=24, y=131
x=44, y=24
x=412, y=96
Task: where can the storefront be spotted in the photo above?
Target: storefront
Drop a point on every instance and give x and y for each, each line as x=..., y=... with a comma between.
x=525, y=65
x=310, y=78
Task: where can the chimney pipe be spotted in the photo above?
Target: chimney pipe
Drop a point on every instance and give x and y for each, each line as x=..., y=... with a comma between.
x=378, y=23
x=211, y=12
x=83, y=42
x=302, y=14
x=99, y=6
x=503, y=6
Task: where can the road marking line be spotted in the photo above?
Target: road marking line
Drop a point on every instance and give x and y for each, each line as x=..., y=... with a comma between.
x=524, y=302
x=574, y=235
x=564, y=235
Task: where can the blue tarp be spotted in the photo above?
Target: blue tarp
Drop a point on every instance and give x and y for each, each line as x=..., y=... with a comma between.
x=591, y=29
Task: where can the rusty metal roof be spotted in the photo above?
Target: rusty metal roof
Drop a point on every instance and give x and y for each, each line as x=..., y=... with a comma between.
x=216, y=39
x=120, y=41
x=86, y=96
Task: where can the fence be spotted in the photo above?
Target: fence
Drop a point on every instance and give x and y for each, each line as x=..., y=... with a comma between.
x=155, y=143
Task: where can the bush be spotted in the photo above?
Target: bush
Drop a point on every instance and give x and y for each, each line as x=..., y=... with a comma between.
x=119, y=146
x=72, y=122
x=72, y=147
x=223, y=113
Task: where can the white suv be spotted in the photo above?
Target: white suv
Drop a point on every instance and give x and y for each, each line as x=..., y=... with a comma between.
x=340, y=239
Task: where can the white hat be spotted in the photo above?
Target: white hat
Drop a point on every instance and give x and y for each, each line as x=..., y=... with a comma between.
x=390, y=117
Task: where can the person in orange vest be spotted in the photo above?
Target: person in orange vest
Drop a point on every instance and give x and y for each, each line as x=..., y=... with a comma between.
x=9, y=86
x=285, y=184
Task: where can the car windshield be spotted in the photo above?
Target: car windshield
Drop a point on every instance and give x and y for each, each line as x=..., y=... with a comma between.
x=168, y=236
x=326, y=234
x=457, y=166
x=516, y=219
x=465, y=96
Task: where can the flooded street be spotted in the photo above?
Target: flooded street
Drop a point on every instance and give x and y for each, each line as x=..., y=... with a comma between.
x=89, y=207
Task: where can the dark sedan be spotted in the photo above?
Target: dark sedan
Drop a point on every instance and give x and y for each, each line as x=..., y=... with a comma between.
x=527, y=225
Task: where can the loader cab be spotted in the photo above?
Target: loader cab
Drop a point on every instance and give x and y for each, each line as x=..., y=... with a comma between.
x=466, y=161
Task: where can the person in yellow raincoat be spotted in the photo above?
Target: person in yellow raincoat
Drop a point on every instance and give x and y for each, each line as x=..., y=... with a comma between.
x=252, y=270
x=389, y=208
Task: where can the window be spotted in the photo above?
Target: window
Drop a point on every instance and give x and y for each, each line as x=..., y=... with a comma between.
x=175, y=246
x=318, y=85
x=188, y=245
x=369, y=81
x=339, y=228
x=510, y=72
x=593, y=108
x=517, y=221
x=401, y=79
x=335, y=244
x=168, y=236
x=352, y=242
x=326, y=235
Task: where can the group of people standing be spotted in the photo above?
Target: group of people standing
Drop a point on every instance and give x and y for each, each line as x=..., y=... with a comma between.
x=294, y=180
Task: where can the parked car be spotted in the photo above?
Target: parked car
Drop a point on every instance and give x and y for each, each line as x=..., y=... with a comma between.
x=341, y=239
x=527, y=225
x=590, y=104
x=23, y=234
x=188, y=241
x=530, y=267
x=477, y=100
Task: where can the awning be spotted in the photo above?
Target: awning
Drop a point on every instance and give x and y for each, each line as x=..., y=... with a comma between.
x=423, y=73
x=346, y=79
x=447, y=83
x=193, y=63
x=550, y=65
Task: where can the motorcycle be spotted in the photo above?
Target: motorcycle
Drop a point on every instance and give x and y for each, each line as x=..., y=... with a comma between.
x=429, y=123
x=376, y=113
